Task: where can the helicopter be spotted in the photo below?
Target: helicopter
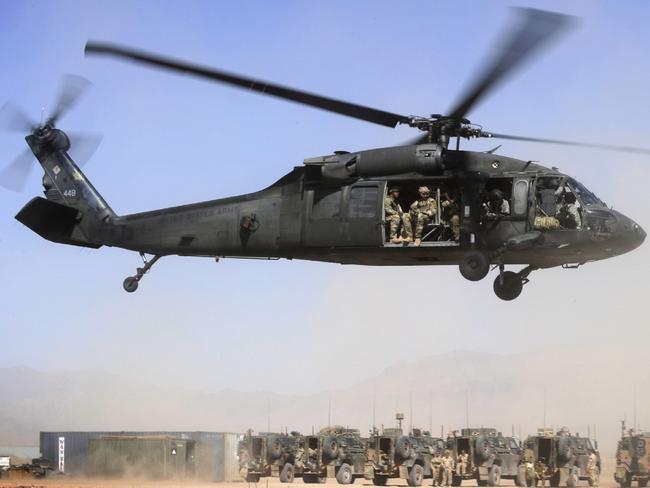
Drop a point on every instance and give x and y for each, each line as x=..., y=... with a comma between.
x=332, y=207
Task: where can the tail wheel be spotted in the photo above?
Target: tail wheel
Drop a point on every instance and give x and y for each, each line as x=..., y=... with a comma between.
x=287, y=473
x=416, y=475
x=344, y=475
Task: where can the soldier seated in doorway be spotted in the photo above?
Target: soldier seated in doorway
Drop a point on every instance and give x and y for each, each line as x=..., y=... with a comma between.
x=394, y=215
x=463, y=458
x=422, y=211
x=451, y=211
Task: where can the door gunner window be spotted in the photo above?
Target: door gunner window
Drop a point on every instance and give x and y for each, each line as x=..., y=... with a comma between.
x=327, y=204
x=363, y=202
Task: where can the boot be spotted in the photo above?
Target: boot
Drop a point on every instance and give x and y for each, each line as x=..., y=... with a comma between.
x=418, y=242
x=396, y=240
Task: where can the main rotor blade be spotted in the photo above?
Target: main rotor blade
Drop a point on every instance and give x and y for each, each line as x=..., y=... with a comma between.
x=637, y=150
x=535, y=28
x=72, y=88
x=330, y=104
x=14, y=119
x=14, y=176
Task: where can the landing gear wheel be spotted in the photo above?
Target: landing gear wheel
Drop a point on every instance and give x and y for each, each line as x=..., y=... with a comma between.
x=416, y=475
x=130, y=284
x=474, y=266
x=286, y=475
x=494, y=475
x=344, y=475
x=511, y=286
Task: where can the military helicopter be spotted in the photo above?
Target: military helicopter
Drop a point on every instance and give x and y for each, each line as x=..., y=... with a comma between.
x=331, y=208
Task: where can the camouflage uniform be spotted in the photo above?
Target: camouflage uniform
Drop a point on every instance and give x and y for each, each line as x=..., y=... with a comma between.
x=452, y=210
x=592, y=469
x=394, y=213
x=569, y=216
x=447, y=468
x=300, y=452
x=436, y=463
x=540, y=472
x=423, y=210
x=462, y=464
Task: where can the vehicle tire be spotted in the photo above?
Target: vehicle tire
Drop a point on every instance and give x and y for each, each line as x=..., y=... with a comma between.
x=286, y=475
x=474, y=266
x=416, y=475
x=403, y=448
x=494, y=475
x=379, y=480
x=483, y=449
x=510, y=288
x=252, y=478
x=344, y=475
x=480, y=482
x=273, y=448
x=572, y=480
x=642, y=483
x=456, y=480
x=130, y=284
x=596, y=482
x=330, y=448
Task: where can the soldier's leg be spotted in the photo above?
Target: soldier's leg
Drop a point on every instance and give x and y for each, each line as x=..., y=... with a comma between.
x=408, y=226
x=394, y=222
x=454, y=221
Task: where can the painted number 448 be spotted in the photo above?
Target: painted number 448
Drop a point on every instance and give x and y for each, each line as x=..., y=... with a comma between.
x=70, y=193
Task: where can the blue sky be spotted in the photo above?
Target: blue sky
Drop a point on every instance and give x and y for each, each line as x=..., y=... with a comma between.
x=170, y=139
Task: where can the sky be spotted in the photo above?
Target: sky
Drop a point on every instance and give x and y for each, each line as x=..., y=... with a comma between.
x=300, y=326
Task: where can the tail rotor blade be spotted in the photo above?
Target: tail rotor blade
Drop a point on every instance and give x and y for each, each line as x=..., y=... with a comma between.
x=14, y=176
x=13, y=119
x=83, y=145
x=72, y=89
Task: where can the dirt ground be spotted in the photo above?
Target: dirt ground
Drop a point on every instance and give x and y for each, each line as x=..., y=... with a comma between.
x=606, y=481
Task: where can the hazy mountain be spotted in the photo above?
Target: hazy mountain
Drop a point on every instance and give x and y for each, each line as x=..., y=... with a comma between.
x=585, y=388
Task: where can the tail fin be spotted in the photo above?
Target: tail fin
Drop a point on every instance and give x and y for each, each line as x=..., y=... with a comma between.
x=72, y=212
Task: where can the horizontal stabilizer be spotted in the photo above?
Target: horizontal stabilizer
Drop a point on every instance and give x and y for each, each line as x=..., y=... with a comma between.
x=53, y=221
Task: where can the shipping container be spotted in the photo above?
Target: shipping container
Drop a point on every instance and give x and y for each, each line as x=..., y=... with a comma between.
x=215, y=453
x=141, y=457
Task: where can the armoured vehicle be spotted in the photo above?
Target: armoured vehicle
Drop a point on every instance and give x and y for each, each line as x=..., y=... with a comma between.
x=491, y=456
x=394, y=455
x=334, y=452
x=564, y=455
x=633, y=459
x=269, y=454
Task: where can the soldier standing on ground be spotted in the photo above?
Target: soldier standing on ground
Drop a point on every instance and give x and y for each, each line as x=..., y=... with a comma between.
x=447, y=468
x=436, y=463
x=540, y=471
x=462, y=463
x=394, y=215
x=423, y=210
x=592, y=468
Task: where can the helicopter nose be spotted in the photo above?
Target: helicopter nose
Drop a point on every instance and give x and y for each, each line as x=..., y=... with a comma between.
x=631, y=233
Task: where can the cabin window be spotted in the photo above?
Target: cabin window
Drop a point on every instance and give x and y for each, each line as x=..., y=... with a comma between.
x=326, y=204
x=363, y=202
x=521, y=197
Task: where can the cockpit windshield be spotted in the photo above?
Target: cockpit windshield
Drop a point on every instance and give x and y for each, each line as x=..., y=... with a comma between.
x=583, y=193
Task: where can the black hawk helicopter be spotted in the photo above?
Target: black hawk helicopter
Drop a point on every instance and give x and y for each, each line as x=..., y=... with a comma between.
x=332, y=208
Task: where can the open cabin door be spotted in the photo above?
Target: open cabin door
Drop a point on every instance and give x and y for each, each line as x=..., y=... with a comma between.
x=347, y=216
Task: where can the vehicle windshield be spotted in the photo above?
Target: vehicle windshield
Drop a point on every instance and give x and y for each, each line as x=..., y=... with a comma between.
x=587, y=197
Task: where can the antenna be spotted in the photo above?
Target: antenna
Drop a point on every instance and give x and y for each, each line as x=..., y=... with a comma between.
x=374, y=409
x=544, y=424
x=634, y=424
x=329, y=410
x=431, y=411
x=411, y=411
x=268, y=413
x=467, y=408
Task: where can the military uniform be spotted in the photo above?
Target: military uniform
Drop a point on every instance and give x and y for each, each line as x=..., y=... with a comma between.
x=300, y=452
x=394, y=213
x=540, y=472
x=447, y=469
x=494, y=210
x=452, y=211
x=423, y=210
x=436, y=463
x=569, y=216
x=463, y=458
x=592, y=468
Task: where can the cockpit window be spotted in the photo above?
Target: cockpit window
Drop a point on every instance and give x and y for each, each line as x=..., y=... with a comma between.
x=584, y=195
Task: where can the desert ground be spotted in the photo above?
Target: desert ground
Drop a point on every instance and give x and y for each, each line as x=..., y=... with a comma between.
x=606, y=481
